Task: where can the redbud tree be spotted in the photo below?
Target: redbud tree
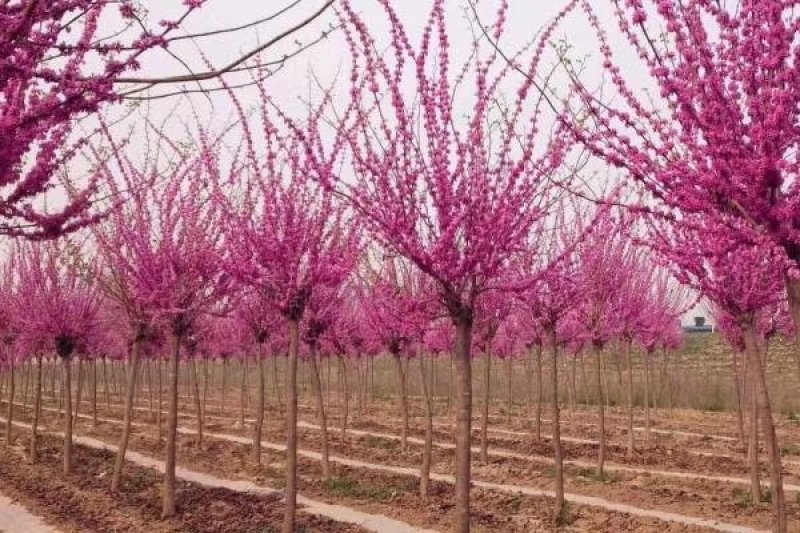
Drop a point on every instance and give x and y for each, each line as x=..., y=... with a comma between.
x=167, y=262
x=444, y=173
x=287, y=238
x=58, y=66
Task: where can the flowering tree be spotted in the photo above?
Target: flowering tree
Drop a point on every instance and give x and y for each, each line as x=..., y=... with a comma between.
x=395, y=317
x=164, y=251
x=740, y=280
x=287, y=239
x=56, y=67
x=551, y=300
x=604, y=259
x=59, y=308
x=426, y=180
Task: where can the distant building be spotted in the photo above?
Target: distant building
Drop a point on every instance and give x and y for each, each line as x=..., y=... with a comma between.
x=699, y=326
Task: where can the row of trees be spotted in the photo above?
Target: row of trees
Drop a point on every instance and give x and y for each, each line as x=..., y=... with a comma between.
x=459, y=190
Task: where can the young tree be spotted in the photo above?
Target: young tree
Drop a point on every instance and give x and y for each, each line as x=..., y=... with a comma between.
x=166, y=255
x=287, y=239
x=58, y=304
x=449, y=181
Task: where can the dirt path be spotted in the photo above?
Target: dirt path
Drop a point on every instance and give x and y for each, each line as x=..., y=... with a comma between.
x=499, y=452
x=371, y=522
x=16, y=519
x=520, y=489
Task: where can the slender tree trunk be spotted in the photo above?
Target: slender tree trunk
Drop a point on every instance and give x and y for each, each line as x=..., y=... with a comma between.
x=316, y=382
x=114, y=375
x=130, y=398
x=160, y=398
x=276, y=383
x=346, y=393
x=509, y=391
x=738, y=389
x=629, y=364
x=168, y=494
x=572, y=370
x=243, y=387
x=198, y=409
x=537, y=427
x=463, y=363
x=793, y=296
x=150, y=403
x=78, y=391
x=557, y=451
x=67, y=416
x=401, y=383
x=487, y=371
x=425, y=467
x=26, y=367
x=259, y=410
x=53, y=368
x=601, y=413
x=37, y=407
x=529, y=389
x=224, y=384
x=205, y=389
x=752, y=445
x=10, y=410
x=451, y=400
x=94, y=392
x=105, y=385
x=291, y=428
x=646, y=356
x=768, y=429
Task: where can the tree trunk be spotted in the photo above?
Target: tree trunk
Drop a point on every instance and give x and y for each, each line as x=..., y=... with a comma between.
x=276, y=383
x=94, y=392
x=557, y=451
x=346, y=392
x=78, y=392
x=646, y=356
x=601, y=414
x=768, y=429
x=510, y=397
x=198, y=409
x=572, y=370
x=793, y=296
x=130, y=398
x=259, y=410
x=243, y=387
x=10, y=411
x=752, y=444
x=401, y=384
x=67, y=416
x=224, y=384
x=26, y=367
x=160, y=398
x=168, y=494
x=425, y=467
x=205, y=389
x=105, y=385
x=291, y=428
x=37, y=407
x=537, y=425
x=529, y=389
x=463, y=404
x=629, y=364
x=738, y=389
x=487, y=371
x=150, y=404
x=316, y=382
